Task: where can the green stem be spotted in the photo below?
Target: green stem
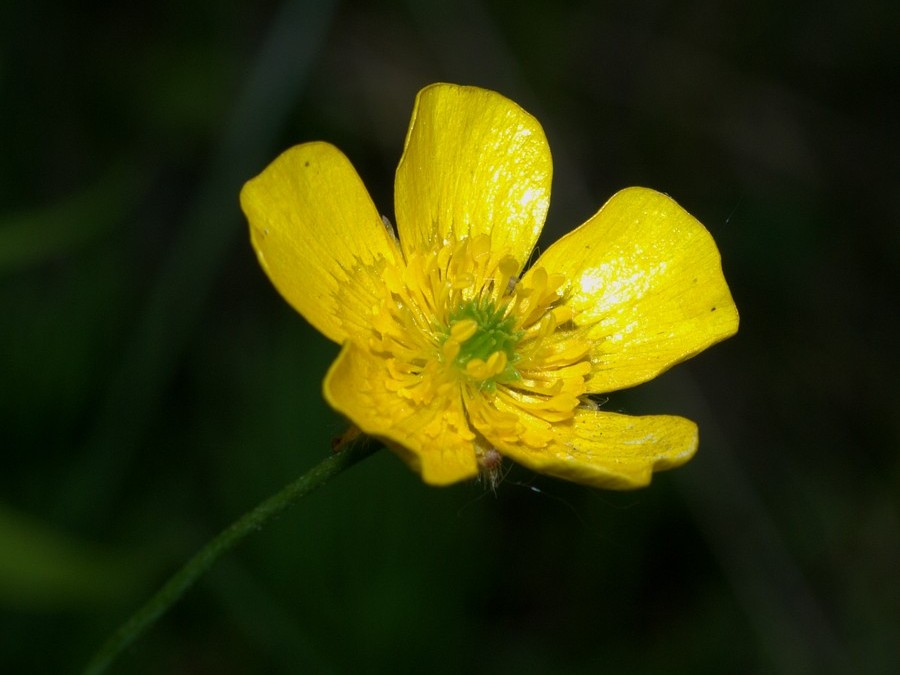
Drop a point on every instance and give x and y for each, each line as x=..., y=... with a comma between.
x=183, y=579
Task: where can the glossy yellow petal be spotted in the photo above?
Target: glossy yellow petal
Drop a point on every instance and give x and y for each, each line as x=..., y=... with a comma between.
x=602, y=449
x=319, y=237
x=433, y=438
x=644, y=282
x=474, y=163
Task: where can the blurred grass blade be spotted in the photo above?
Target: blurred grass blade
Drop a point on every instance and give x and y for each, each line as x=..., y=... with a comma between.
x=36, y=236
x=174, y=307
x=42, y=569
x=777, y=597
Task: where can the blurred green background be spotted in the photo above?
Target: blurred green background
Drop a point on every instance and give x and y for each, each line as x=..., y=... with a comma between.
x=153, y=386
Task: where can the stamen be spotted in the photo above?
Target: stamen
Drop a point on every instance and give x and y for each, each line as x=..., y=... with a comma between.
x=450, y=349
x=463, y=329
x=457, y=321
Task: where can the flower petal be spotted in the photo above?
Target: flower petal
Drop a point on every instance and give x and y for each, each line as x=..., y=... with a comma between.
x=434, y=439
x=645, y=283
x=315, y=228
x=601, y=449
x=474, y=163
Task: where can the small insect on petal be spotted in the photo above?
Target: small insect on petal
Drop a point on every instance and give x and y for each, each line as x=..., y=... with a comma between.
x=389, y=226
x=490, y=462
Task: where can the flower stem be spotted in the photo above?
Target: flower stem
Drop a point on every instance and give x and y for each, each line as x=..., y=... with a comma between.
x=347, y=453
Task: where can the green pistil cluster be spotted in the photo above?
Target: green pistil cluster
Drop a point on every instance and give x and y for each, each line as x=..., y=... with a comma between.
x=495, y=333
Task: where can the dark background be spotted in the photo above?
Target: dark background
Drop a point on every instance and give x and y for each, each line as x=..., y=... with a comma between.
x=153, y=386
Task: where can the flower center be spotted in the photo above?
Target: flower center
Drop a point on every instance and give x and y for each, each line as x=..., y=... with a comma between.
x=481, y=341
x=455, y=321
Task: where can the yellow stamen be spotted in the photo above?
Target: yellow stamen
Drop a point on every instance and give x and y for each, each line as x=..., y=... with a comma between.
x=453, y=322
x=463, y=329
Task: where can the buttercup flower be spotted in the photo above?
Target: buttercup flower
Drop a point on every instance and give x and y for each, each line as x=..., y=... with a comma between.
x=451, y=355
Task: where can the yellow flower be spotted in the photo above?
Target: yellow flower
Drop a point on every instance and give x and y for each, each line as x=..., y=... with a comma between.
x=453, y=356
